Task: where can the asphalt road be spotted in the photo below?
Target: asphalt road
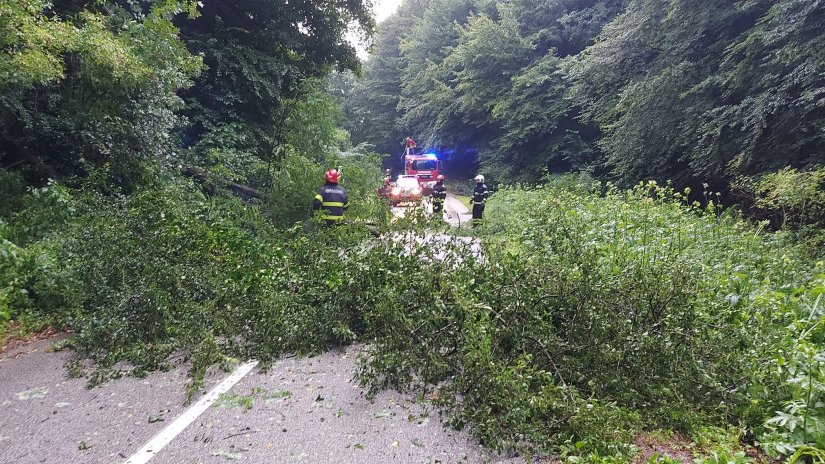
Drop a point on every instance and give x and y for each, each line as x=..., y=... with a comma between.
x=302, y=410
x=46, y=417
x=455, y=212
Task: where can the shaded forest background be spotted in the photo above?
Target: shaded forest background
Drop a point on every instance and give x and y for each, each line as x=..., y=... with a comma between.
x=691, y=92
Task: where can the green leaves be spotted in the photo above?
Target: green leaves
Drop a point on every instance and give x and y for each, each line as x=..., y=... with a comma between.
x=592, y=314
x=32, y=44
x=695, y=91
x=792, y=199
x=88, y=89
x=485, y=79
x=684, y=91
x=260, y=55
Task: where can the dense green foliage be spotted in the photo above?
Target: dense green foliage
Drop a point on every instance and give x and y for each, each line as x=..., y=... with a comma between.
x=708, y=90
x=587, y=318
x=140, y=276
x=263, y=60
x=123, y=83
x=631, y=90
x=79, y=90
x=97, y=94
x=788, y=200
x=592, y=317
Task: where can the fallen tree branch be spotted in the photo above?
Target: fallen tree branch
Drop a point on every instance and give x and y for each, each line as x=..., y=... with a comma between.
x=203, y=176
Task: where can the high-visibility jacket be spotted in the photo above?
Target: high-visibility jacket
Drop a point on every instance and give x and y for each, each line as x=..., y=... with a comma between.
x=439, y=192
x=480, y=194
x=332, y=201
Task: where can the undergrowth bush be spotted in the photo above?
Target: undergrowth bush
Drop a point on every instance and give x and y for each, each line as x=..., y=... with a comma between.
x=170, y=271
x=298, y=178
x=36, y=287
x=789, y=200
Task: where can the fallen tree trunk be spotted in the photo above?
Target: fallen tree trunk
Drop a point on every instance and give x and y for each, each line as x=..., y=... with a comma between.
x=203, y=176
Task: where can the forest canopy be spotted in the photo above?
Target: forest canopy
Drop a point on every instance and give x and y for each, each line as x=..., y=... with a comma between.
x=685, y=91
x=129, y=83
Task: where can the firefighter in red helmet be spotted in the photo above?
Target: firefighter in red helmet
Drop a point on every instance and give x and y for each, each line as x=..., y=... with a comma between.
x=331, y=199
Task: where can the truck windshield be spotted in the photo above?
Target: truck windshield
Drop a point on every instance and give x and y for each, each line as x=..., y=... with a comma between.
x=425, y=165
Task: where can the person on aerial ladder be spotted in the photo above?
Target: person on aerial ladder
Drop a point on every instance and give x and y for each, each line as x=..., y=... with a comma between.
x=409, y=146
x=439, y=195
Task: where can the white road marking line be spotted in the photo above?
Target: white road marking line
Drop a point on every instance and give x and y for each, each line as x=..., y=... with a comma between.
x=168, y=434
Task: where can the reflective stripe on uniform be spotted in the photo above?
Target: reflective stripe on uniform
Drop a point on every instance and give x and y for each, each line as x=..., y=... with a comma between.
x=332, y=218
x=319, y=197
x=332, y=203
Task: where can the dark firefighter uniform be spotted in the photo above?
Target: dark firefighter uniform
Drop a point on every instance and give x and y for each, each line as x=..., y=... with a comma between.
x=439, y=195
x=332, y=201
x=480, y=195
x=385, y=189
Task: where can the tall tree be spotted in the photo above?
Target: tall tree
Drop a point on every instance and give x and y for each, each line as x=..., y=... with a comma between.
x=82, y=88
x=687, y=91
x=258, y=54
x=564, y=27
x=427, y=86
x=695, y=91
x=371, y=105
x=483, y=77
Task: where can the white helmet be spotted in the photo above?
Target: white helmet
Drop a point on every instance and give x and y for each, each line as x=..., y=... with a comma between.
x=479, y=178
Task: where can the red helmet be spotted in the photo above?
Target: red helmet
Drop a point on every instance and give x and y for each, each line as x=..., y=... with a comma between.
x=332, y=176
x=440, y=178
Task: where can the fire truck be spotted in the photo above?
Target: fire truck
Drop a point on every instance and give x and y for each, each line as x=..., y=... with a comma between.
x=425, y=166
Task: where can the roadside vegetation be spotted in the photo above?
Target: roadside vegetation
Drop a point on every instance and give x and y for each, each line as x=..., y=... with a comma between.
x=593, y=315
x=687, y=91
x=597, y=314
x=158, y=160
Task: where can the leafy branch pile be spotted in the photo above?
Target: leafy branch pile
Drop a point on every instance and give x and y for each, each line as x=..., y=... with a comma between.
x=140, y=277
x=591, y=317
x=587, y=318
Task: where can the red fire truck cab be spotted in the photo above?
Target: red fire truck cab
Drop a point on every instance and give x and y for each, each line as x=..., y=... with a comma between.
x=425, y=166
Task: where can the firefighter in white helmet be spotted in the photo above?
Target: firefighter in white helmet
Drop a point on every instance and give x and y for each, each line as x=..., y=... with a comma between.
x=480, y=195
